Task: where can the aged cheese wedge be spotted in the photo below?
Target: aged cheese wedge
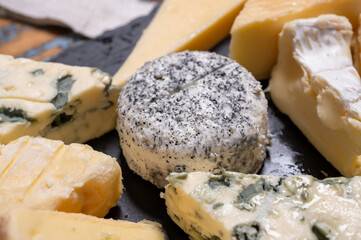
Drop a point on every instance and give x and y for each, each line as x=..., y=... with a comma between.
x=235, y=206
x=72, y=104
x=255, y=30
x=178, y=26
x=46, y=174
x=316, y=85
x=26, y=224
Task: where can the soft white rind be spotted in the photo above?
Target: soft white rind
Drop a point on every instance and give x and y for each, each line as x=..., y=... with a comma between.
x=215, y=117
x=316, y=85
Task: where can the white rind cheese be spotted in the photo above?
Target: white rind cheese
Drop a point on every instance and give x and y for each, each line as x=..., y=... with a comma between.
x=237, y=206
x=46, y=174
x=317, y=86
x=192, y=111
x=72, y=104
x=256, y=28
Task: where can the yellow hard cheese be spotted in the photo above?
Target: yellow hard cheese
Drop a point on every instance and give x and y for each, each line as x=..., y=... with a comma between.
x=46, y=174
x=255, y=30
x=53, y=100
x=26, y=224
x=316, y=85
x=181, y=25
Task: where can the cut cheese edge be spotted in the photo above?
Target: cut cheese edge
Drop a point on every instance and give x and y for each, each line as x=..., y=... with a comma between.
x=27, y=224
x=53, y=100
x=316, y=85
x=46, y=174
x=255, y=30
x=240, y=206
x=181, y=25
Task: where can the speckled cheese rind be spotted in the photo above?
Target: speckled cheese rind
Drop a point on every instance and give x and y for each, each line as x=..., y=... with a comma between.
x=192, y=111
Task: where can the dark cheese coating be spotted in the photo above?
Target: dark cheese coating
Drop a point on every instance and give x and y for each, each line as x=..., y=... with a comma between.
x=193, y=105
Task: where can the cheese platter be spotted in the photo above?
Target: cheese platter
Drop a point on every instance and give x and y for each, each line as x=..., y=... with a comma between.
x=272, y=146
x=289, y=152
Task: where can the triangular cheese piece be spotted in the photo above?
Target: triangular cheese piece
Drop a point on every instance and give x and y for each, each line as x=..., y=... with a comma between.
x=255, y=30
x=317, y=86
x=181, y=25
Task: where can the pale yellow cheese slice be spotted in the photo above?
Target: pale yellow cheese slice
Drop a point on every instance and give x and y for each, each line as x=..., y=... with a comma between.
x=26, y=224
x=255, y=30
x=317, y=86
x=181, y=25
x=46, y=174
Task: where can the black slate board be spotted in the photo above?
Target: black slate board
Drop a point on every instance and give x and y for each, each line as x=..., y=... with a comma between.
x=289, y=154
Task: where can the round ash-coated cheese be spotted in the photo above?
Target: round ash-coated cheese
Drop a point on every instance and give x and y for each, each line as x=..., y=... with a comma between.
x=192, y=111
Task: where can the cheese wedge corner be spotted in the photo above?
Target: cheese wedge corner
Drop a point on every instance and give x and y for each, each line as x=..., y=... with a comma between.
x=181, y=25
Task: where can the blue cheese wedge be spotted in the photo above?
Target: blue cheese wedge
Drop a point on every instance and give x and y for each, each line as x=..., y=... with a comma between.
x=192, y=111
x=238, y=206
x=56, y=101
x=317, y=86
x=41, y=173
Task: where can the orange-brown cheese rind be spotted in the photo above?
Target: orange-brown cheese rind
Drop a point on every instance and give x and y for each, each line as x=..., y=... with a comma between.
x=192, y=111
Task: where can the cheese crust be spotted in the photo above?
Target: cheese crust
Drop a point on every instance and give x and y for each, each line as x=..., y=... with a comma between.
x=192, y=111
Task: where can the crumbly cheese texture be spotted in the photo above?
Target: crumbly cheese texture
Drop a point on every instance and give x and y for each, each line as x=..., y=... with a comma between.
x=192, y=111
x=317, y=86
x=56, y=101
x=255, y=30
x=178, y=26
x=26, y=224
x=46, y=174
x=237, y=206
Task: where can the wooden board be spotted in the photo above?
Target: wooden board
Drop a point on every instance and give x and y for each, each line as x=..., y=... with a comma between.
x=39, y=43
